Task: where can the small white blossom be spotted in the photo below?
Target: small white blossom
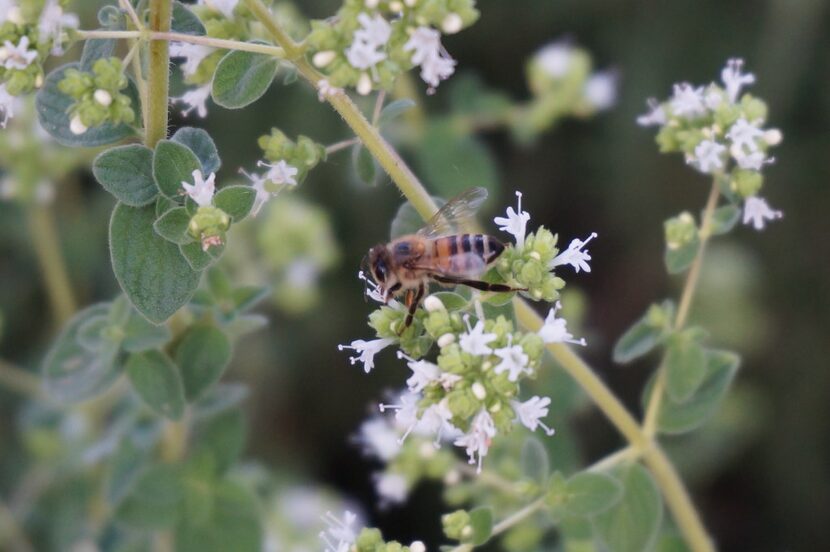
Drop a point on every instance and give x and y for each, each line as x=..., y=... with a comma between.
x=262, y=195
x=202, y=190
x=433, y=304
x=714, y=97
x=7, y=105
x=366, y=351
x=687, y=101
x=364, y=84
x=321, y=59
x=514, y=361
x=452, y=23
x=773, y=137
x=745, y=135
x=194, y=99
x=601, y=90
x=362, y=55
x=575, y=255
x=103, y=97
x=77, y=126
x=193, y=55
x=655, y=117
x=340, y=534
x=379, y=438
x=326, y=90
x=530, y=412
x=18, y=57
x=280, y=172
x=555, y=59
x=51, y=24
x=226, y=7
x=373, y=30
x=757, y=212
x=436, y=69
x=752, y=161
x=436, y=421
x=734, y=80
x=427, y=51
x=477, y=441
x=475, y=341
x=555, y=330
x=392, y=488
x=515, y=223
x=423, y=373
x=708, y=156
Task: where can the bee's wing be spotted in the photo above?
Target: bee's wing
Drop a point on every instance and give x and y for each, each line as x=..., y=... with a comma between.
x=454, y=214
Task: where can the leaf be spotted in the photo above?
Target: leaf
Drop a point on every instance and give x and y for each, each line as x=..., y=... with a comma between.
x=685, y=367
x=234, y=524
x=218, y=399
x=173, y=164
x=244, y=324
x=590, y=493
x=365, y=167
x=155, y=501
x=676, y=417
x=534, y=461
x=247, y=297
x=53, y=113
x=185, y=21
x=151, y=271
x=127, y=173
x=163, y=205
x=199, y=260
x=95, y=49
x=680, y=259
x=202, y=356
x=236, y=201
x=124, y=470
x=632, y=524
x=141, y=335
x=724, y=219
x=156, y=380
x=451, y=300
x=90, y=334
x=223, y=437
x=200, y=143
x=72, y=373
x=172, y=226
x=394, y=110
x=481, y=521
x=408, y=221
x=637, y=341
x=242, y=78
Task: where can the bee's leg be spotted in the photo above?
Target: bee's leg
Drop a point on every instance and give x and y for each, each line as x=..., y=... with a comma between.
x=413, y=299
x=477, y=284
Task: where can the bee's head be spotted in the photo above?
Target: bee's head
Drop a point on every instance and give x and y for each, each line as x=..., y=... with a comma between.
x=380, y=266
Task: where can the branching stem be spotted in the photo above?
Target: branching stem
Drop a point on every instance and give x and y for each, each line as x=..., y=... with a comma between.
x=46, y=243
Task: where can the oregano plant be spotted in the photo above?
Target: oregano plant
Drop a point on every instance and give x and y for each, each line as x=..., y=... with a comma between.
x=135, y=386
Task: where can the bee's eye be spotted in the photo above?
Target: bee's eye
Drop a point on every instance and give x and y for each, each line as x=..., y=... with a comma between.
x=380, y=271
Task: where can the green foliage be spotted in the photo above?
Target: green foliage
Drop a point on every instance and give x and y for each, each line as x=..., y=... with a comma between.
x=366, y=169
x=127, y=173
x=633, y=523
x=232, y=523
x=393, y=110
x=645, y=334
x=172, y=226
x=588, y=494
x=185, y=21
x=202, y=356
x=242, y=78
x=155, y=500
x=534, y=461
x=685, y=365
x=236, y=201
x=174, y=163
x=200, y=143
x=156, y=380
x=481, y=522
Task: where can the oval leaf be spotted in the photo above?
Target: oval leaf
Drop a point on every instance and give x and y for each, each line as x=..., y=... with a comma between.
x=365, y=168
x=127, y=173
x=645, y=334
x=172, y=226
x=589, y=493
x=173, y=164
x=481, y=521
x=394, y=110
x=236, y=201
x=185, y=21
x=686, y=368
x=202, y=356
x=534, y=460
x=140, y=335
x=155, y=501
x=680, y=259
x=200, y=143
x=633, y=523
x=151, y=271
x=241, y=78
x=198, y=259
x=233, y=524
x=156, y=380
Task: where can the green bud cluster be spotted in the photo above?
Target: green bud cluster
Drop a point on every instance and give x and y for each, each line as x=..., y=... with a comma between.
x=219, y=26
x=528, y=266
x=371, y=540
x=680, y=230
x=209, y=225
x=304, y=154
x=23, y=81
x=97, y=94
x=456, y=525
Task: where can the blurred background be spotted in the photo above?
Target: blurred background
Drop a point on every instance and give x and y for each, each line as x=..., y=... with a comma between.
x=759, y=471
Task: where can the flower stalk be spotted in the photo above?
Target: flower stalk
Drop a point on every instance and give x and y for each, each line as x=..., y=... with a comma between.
x=158, y=77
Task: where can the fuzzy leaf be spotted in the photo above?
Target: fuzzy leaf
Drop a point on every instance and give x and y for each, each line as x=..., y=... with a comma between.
x=633, y=523
x=156, y=380
x=223, y=438
x=365, y=167
x=637, y=341
x=241, y=78
x=173, y=164
x=234, y=524
x=686, y=367
x=534, y=461
x=199, y=260
x=127, y=173
x=172, y=226
x=724, y=219
x=394, y=110
x=95, y=49
x=185, y=21
x=202, y=356
x=219, y=398
x=150, y=270
x=481, y=521
x=200, y=143
x=141, y=335
x=155, y=501
x=680, y=259
x=451, y=300
x=590, y=493
x=236, y=201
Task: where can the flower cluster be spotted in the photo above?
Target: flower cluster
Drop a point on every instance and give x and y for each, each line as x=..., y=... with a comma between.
x=370, y=42
x=344, y=535
x=470, y=393
x=209, y=223
x=719, y=129
x=98, y=95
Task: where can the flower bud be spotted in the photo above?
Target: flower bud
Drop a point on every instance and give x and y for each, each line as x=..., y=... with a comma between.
x=773, y=137
x=452, y=23
x=454, y=524
x=321, y=59
x=433, y=304
x=417, y=546
x=479, y=391
x=77, y=126
x=103, y=97
x=680, y=230
x=446, y=339
x=746, y=183
x=364, y=84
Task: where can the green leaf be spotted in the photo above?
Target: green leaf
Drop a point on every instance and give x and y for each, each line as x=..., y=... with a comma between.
x=246, y=297
x=127, y=173
x=185, y=21
x=73, y=373
x=155, y=501
x=676, y=417
x=451, y=300
x=637, y=341
x=53, y=113
x=234, y=524
x=632, y=524
x=202, y=356
x=223, y=437
x=156, y=380
x=242, y=78
x=200, y=143
x=199, y=260
x=686, y=367
x=95, y=49
x=481, y=521
x=173, y=164
x=244, y=324
x=680, y=259
x=172, y=226
x=724, y=219
x=150, y=270
x=141, y=335
x=236, y=201
x=534, y=461
x=394, y=110
x=163, y=205
x=124, y=469
x=218, y=399
x=365, y=167
x=591, y=493
x=408, y=221
x=91, y=332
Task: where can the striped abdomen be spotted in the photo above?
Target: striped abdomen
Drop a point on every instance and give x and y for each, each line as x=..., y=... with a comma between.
x=465, y=254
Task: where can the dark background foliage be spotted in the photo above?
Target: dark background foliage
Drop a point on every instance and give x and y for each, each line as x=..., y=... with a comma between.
x=766, y=295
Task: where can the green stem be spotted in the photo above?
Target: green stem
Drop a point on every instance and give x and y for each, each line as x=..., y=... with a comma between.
x=86, y=35
x=19, y=380
x=52, y=267
x=221, y=43
x=293, y=51
x=158, y=78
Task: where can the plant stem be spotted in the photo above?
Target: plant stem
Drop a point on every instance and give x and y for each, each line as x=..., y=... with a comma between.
x=686, y=297
x=86, y=35
x=19, y=380
x=158, y=85
x=221, y=43
x=343, y=144
x=293, y=51
x=52, y=267
x=490, y=478
x=128, y=6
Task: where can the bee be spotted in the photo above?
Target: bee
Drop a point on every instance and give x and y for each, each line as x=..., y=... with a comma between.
x=437, y=253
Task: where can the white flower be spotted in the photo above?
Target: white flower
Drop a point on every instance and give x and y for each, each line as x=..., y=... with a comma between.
x=224, y=6
x=427, y=51
x=366, y=351
x=18, y=57
x=555, y=59
x=745, y=135
x=515, y=223
x=202, y=190
x=555, y=330
x=280, y=172
x=51, y=24
x=601, y=90
x=362, y=55
x=575, y=255
x=193, y=55
x=530, y=412
x=753, y=161
x=733, y=79
x=514, y=361
x=379, y=438
x=757, y=212
x=262, y=195
x=687, y=101
x=103, y=97
x=475, y=341
x=436, y=421
x=326, y=90
x=452, y=23
x=713, y=97
x=708, y=157
x=373, y=30
x=340, y=535
x=423, y=373
x=194, y=99
x=436, y=69
x=7, y=105
x=393, y=488
x=477, y=441
x=655, y=117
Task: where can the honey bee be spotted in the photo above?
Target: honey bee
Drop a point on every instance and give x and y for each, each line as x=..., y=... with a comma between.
x=437, y=253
